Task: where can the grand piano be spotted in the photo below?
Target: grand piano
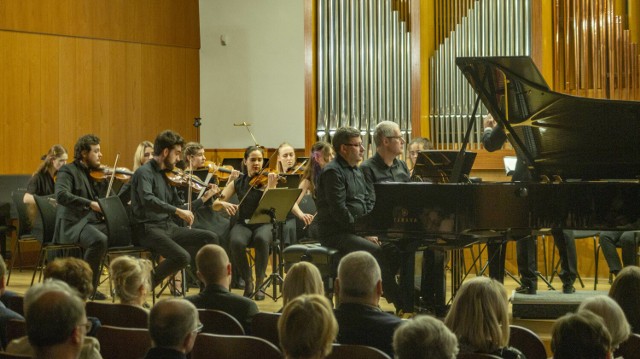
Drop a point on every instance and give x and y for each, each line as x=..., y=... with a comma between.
x=580, y=152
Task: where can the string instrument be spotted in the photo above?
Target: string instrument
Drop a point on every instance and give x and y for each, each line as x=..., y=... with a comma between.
x=261, y=180
x=222, y=173
x=179, y=178
x=297, y=169
x=106, y=172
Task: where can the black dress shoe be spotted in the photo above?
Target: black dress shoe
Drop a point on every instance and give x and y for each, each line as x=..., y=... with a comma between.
x=523, y=289
x=568, y=288
x=248, y=289
x=259, y=296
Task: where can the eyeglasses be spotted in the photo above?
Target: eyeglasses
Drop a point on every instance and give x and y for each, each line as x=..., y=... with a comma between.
x=87, y=326
x=199, y=328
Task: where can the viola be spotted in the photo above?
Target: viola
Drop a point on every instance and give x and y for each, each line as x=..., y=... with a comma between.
x=261, y=180
x=106, y=172
x=180, y=178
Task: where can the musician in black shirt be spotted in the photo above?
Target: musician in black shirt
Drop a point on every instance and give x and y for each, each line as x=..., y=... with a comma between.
x=493, y=138
x=343, y=197
x=154, y=203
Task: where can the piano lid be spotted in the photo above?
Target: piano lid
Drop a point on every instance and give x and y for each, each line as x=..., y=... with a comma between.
x=557, y=134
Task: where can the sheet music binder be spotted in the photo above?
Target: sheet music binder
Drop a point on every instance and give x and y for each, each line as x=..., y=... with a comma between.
x=279, y=199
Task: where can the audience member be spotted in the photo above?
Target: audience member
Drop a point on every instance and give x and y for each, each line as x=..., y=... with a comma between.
x=424, y=337
x=581, y=335
x=56, y=324
x=173, y=326
x=77, y=274
x=73, y=271
x=359, y=288
x=307, y=327
x=6, y=314
x=612, y=315
x=625, y=290
x=214, y=270
x=302, y=278
x=132, y=279
x=479, y=317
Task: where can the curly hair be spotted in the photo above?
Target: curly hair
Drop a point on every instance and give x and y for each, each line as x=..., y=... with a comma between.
x=73, y=271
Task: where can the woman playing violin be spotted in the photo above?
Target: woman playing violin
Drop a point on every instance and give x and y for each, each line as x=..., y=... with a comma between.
x=243, y=234
x=42, y=181
x=144, y=152
x=286, y=158
x=321, y=154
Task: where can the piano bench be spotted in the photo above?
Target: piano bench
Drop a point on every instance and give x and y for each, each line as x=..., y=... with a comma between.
x=326, y=259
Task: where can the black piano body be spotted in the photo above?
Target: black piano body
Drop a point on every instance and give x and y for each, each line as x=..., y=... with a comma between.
x=581, y=152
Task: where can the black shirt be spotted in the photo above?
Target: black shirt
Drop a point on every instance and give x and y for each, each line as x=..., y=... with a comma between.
x=342, y=197
x=376, y=171
x=153, y=200
x=251, y=201
x=41, y=184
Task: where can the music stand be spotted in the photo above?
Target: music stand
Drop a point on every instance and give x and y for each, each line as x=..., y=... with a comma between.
x=436, y=166
x=273, y=208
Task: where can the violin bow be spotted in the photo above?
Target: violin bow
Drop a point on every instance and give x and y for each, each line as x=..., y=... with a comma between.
x=113, y=175
x=190, y=190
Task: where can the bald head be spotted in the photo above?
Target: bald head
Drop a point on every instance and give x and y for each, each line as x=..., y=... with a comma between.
x=213, y=265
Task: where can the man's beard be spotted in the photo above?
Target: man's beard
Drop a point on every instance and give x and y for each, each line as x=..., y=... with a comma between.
x=168, y=165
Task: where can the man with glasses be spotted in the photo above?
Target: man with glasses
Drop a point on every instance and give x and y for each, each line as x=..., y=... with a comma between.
x=57, y=324
x=173, y=326
x=342, y=197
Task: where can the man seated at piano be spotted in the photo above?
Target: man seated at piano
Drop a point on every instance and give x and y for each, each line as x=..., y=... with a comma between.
x=383, y=166
x=342, y=197
x=493, y=138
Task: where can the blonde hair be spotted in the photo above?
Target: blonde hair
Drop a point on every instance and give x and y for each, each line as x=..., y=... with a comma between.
x=612, y=314
x=479, y=315
x=128, y=274
x=138, y=156
x=283, y=145
x=302, y=278
x=307, y=327
x=424, y=337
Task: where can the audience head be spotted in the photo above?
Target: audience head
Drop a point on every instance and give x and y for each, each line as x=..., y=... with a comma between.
x=73, y=271
x=173, y=323
x=625, y=290
x=611, y=314
x=143, y=154
x=213, y=265
x=55, y=158
x=132, y=279
x=479, y=315
x=55, y=318
x=307, y=327
x=424, y=337
x=581, y=335
x=302, y=278
x=359, y=279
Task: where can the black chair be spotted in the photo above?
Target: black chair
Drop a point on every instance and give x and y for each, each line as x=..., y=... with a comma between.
x=47, y=210
x=24, y=231
x=118, y=315
x=349, y=351
x=528, y=342
x=265, y=325
x=233, y=347
x=219, y=322
x=16, y=329
x=477, y=356
x=123, y=343
x=120, y=237
x=629, y=348
x=15, y=303
x=4, y=355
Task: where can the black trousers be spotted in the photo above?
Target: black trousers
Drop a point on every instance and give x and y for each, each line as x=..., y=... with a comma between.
x=178, y=245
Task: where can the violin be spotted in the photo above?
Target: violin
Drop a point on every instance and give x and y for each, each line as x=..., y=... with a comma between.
x=297, y=169
x=178, y=178
x=106, y=172
x=261, y=180
x=221, y=172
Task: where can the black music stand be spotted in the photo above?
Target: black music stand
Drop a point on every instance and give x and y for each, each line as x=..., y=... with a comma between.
x=273, y=208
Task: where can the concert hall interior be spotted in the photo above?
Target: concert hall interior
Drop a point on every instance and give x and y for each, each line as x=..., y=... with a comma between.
x=455, y=138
